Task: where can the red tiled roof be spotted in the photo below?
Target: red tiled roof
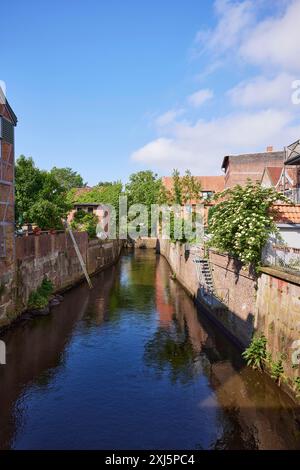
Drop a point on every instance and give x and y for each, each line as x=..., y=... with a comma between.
x=208, y=183
x=287, y=213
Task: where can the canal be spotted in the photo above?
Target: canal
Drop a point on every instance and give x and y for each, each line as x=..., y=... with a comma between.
x=132, y=364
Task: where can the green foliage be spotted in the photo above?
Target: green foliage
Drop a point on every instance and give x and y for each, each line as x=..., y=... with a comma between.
x=40, y=198
x=242, y=223
x=143, y=188
x=46, y=288
x=67, y=178
x=276, y=369
x=256, y=353
x=297, y=386
x=185, y=188
x=176, y=227
x=29, y=181
x=104, y=194
x=37, y=301
x=39, y=298
x=85, y=222
x=47, y=215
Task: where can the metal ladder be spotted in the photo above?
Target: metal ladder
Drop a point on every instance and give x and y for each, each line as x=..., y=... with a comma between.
x=204, y=274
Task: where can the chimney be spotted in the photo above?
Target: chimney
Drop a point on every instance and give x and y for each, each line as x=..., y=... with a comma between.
x=270, y=148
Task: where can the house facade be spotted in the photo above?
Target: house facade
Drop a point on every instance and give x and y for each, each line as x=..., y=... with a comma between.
x=239, y=168
x=8, y=121
x=285, y=252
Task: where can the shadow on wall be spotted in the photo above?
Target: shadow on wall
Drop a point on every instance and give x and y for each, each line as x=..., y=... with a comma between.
x=230, y=303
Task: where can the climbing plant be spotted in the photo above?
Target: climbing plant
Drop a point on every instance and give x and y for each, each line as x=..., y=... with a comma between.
x=243, y=220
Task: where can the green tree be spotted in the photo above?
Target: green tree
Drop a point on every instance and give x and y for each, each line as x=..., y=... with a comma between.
x=40, y=198
x=243, y=221
x=107, y=194
x=28, y=183
x=143, y=188
x=68, y=178
x=184, y=189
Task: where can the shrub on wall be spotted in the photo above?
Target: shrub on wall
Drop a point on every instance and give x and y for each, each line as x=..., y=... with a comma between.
x=39, y=298
x=243, y=221
x=256, y=353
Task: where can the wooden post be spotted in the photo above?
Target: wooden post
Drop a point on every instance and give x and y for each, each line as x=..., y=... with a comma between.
x=83, y=266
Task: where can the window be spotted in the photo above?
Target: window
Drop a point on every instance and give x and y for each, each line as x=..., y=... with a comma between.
x=90, y=210
x=207, y=194
x=6, y=130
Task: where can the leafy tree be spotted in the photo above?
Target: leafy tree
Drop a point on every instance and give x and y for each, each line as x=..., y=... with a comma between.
x=68, y=178
x=107, y=183
x=143, y=188
x=47, y=215
x=243, y=221
x=108, y=194
x=185, y=188
x=28, y=183
x=40, y=198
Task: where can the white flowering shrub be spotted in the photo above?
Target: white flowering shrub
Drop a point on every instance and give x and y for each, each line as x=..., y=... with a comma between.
x=243, y=220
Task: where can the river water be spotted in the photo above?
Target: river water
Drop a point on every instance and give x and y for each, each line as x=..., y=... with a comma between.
x=132, y=364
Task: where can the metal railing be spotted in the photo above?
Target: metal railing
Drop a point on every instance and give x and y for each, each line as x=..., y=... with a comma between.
x=293, y=195
x=282, y=256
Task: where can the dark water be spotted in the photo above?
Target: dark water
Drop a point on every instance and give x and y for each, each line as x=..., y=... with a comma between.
x=133, y=365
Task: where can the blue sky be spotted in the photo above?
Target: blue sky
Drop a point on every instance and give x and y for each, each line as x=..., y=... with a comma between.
x=112, y=87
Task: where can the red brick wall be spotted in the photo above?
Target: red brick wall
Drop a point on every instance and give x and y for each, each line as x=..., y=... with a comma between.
x=240, y=168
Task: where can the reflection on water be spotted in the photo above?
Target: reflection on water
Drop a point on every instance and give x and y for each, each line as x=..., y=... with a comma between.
x=132, y=365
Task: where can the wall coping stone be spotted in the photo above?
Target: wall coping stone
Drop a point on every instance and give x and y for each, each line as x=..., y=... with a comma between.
x=293, y=278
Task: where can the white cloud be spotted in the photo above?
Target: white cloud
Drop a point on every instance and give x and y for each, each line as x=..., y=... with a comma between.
x=262, y=113
x=200, y=97
x=275, y=41
x=234, y=19
x=202, y=146
x=261, y=91
x=168, y=117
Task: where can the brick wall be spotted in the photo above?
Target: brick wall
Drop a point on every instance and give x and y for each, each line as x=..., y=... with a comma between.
x=241, y=167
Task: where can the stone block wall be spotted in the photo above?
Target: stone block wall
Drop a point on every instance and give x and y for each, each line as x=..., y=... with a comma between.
x=236, y=312
x=267, y=304
x=52, y=256
x=278, y=316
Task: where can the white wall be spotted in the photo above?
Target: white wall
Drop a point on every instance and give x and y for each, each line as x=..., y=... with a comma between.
x=291, y=236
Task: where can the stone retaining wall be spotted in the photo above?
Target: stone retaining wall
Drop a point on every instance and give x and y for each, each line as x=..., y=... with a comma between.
x=52, y=256
x=268, y=304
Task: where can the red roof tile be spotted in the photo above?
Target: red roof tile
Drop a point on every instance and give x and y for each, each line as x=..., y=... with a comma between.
x=287, y=213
